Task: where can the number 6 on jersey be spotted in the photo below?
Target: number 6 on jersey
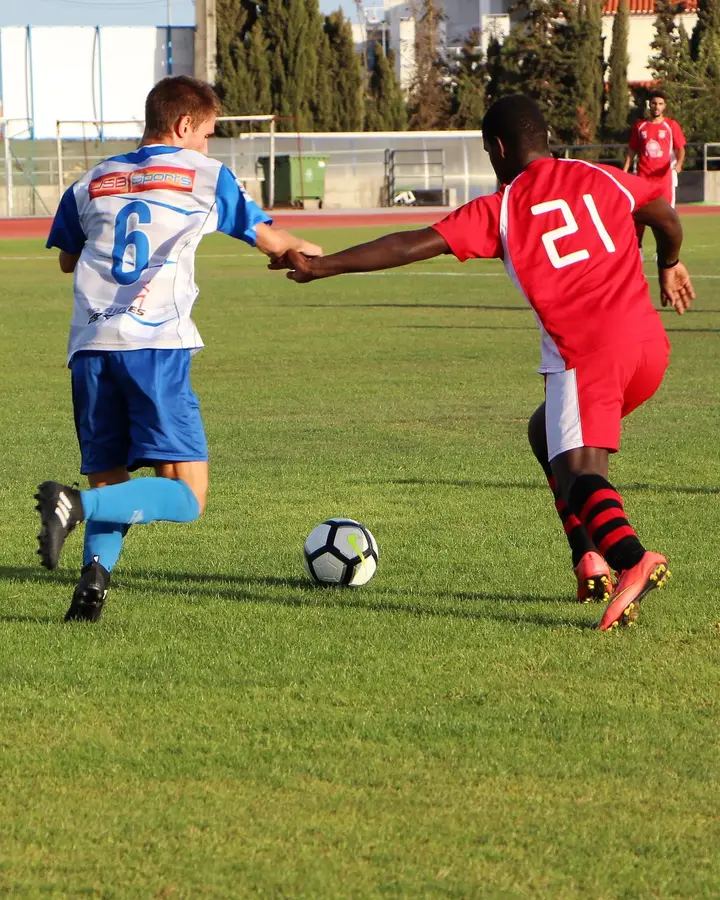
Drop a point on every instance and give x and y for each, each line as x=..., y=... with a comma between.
x=135, y=238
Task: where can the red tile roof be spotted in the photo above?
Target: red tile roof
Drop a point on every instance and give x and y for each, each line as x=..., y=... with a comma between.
x=645, y=7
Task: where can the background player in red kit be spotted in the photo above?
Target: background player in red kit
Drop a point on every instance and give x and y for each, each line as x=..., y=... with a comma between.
x=565, y=231
x=659, y=143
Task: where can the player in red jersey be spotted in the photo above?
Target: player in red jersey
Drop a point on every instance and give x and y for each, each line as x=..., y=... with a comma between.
x=659, y=143
x=565, y=231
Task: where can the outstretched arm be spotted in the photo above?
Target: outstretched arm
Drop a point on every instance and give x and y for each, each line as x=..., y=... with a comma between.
x=386, y=252
x=675, y=286
x=274, y=242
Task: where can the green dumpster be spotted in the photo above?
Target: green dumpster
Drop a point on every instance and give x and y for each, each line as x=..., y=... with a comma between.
x=297, y=179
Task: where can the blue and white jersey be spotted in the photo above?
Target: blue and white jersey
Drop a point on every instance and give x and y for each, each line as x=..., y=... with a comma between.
x=136, y=221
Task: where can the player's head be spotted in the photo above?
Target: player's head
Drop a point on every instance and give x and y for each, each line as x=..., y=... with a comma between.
x=181, y=111
x=657, y=104
x=514, y=133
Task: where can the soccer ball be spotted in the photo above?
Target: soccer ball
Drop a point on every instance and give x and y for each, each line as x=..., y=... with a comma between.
x=341, y=552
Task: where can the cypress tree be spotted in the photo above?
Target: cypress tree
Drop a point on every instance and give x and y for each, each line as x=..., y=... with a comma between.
x=494, y=70
x=258, y=67
x=671, y=63
x=384, y=105
x=345, y=74
x=537, y=59
x=470, y=79
x=232, y=81
x=589, y=70
x=429, y=105
x=293, y=60
x=705, y=40
x=703, y=74
x=618, y=98
x=322, y=102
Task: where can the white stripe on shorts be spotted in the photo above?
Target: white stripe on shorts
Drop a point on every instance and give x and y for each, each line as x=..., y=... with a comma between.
x=562, y=413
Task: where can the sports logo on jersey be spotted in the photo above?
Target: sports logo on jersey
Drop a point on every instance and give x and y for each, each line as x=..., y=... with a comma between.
x=653, y=150
x=661, y=134
x=153, y=178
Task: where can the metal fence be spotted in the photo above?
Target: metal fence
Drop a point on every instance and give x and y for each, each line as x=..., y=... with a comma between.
x=356, y=175
x=355, y=169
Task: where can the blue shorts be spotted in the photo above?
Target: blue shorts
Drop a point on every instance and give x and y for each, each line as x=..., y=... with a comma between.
x=135, y=408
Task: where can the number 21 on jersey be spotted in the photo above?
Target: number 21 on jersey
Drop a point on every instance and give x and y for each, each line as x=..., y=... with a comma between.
x=570, y=227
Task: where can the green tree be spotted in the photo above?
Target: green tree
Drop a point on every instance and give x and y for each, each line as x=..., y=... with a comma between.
x=384, y=105
x=589, y=70
x=705, y=40
x=537, y=59
x=671, y=63
x=703, y=74
x=429, y=105
x=258, y=68
x=293, y=60
x=232, y=82
x=345, y=75
x=665, y=61
x=322, y=101
x=470, y=85
x=618, y=95
x=494, y=70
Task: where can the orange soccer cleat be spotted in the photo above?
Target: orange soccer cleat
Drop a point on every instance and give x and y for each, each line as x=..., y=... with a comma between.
x=593, y=578
x=633, y=586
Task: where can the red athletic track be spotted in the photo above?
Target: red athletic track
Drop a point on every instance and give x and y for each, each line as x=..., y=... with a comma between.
x=38, y=227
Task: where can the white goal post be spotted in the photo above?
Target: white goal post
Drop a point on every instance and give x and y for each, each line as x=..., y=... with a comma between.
x=96, y=130
x=12, y=129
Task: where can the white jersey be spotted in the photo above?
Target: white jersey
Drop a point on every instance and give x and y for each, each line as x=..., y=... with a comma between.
x=136, y=221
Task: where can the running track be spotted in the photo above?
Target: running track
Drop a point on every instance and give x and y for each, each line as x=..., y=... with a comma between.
x=38, y=227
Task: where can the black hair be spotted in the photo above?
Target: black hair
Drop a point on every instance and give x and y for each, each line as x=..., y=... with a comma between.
x=657, y=94
x=518, y=121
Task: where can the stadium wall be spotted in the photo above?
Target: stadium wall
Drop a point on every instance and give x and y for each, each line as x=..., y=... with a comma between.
x=51, y=73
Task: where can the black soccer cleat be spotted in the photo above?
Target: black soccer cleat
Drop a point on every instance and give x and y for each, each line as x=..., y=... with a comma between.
x=60, y=509
x=90, y=594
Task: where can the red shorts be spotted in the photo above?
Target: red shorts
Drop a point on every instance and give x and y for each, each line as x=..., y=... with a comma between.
x=667, y=182
x=584, y=405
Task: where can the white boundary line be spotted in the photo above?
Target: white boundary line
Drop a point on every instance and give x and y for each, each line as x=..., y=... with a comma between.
x=259, y=258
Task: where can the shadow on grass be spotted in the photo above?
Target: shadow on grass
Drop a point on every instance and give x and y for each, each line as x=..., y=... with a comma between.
x=449, y=307
x=635, y=487
x=306, y=595
x=36, y=575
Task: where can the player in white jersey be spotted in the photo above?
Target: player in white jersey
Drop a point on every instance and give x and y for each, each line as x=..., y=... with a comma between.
x=128, y=229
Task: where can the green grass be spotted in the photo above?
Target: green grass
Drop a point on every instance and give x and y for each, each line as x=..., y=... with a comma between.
x=455, y=728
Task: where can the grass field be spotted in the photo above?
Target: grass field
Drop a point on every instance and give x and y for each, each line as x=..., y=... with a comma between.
x=455, y=728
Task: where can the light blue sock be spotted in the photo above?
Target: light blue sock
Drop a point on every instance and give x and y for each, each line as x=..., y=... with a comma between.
x=140, y=501
x=103, y=542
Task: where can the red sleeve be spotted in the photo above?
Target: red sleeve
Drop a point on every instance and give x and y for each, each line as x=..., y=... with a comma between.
x=634, y=142
x=677, y=133
x=473, y=230
x=642, y=190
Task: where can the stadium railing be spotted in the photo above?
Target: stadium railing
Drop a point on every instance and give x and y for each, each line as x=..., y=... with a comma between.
x=31, y=181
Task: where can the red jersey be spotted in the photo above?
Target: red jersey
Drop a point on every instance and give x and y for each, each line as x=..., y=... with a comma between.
x=565, y=231
x=655, y=143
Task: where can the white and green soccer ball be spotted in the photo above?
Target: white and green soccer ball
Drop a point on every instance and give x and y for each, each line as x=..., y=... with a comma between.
x=341, y=552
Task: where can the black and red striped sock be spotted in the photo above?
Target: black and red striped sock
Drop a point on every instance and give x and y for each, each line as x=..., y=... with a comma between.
x=600, y=508
x=577, y=536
